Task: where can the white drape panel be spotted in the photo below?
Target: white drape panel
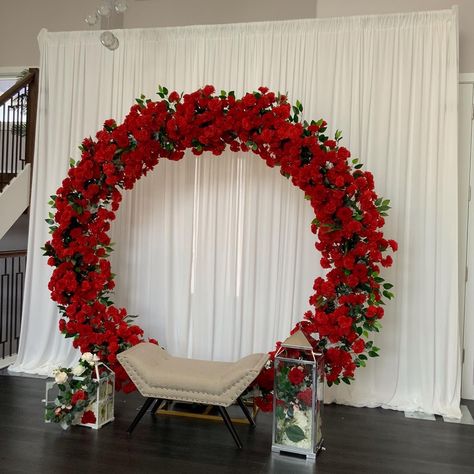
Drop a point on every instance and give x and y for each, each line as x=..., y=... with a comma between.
x=215, y=254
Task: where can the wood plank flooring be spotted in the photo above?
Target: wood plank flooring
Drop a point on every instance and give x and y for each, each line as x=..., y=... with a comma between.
x=357, y=440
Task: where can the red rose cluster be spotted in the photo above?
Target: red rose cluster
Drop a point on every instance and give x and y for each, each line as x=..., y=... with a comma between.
x=346, y=304
x=88, y=417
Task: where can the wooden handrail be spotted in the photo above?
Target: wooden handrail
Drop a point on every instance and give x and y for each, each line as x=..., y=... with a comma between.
x=30, y=77
x=12, y=253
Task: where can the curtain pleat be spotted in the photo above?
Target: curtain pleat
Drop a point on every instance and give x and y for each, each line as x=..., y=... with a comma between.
x=215, y=254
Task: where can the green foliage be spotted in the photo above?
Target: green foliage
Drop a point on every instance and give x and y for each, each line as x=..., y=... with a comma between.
x=295, y=433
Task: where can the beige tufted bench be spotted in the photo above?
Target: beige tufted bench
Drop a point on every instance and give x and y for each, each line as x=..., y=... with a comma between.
x=160, y=376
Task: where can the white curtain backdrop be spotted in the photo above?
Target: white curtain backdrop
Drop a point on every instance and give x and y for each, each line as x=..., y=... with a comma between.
x=215, y=254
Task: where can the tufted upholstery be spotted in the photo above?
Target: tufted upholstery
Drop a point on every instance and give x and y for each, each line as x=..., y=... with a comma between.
x=158, y=374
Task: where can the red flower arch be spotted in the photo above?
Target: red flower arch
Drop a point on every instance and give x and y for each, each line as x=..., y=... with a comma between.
x=346, y=304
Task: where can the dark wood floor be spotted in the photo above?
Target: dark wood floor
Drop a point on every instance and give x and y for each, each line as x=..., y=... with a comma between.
x=357, y=440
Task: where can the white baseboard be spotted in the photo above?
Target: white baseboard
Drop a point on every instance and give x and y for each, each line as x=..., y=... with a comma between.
x=7, y=361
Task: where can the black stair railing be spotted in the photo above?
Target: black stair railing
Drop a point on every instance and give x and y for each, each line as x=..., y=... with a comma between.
x=18, y=107
x=12, y=279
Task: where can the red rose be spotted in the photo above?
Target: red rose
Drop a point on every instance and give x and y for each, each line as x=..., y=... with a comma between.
x=208, y=90
x=296, y=375
x=265, y=379
x=371, y=312
x=173, y=97
x=306, y=396
x=110, y=124
x=393, y=244
x=352, y=281
x=88, y=417
x=264, y=403
x=79, y=395
x=358, y=346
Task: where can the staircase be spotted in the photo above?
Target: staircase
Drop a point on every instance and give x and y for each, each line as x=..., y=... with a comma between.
x=17, y=141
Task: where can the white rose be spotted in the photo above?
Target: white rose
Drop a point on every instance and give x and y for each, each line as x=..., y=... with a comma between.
x=60, y=377
x=95, y=358
x=88, y=357
x=78, y=370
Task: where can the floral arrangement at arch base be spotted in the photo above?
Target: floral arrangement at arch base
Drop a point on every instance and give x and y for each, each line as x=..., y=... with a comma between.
x=347, y=303
x=77, y=392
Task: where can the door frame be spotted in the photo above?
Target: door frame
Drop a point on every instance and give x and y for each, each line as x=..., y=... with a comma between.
x=466, y=274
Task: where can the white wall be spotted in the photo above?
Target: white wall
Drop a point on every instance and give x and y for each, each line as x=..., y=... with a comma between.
x=21, y=20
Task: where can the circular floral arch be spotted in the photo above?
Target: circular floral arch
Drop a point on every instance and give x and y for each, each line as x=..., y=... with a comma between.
x=347, y=302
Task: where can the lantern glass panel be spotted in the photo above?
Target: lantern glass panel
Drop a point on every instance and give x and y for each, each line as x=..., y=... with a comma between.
x=298, y=397
x=294, y=402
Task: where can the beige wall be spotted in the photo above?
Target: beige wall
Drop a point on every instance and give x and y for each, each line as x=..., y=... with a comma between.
x=21, y=20
x=147, y=13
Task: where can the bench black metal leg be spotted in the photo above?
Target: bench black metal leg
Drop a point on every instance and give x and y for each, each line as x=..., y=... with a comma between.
x=246, y=412
x=230, y=426
x=140, y=414
x=156, y=405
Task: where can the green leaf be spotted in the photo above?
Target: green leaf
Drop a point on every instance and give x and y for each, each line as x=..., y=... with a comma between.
x=338, y=136
x=373, y=354
x=295, y=433
x=359, y=166
x=387, y=286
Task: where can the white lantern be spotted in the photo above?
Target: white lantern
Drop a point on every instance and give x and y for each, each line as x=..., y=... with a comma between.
x=298, y=398
x=102, y=406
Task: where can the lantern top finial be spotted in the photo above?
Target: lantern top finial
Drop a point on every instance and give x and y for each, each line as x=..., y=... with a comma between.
x=297, y=341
